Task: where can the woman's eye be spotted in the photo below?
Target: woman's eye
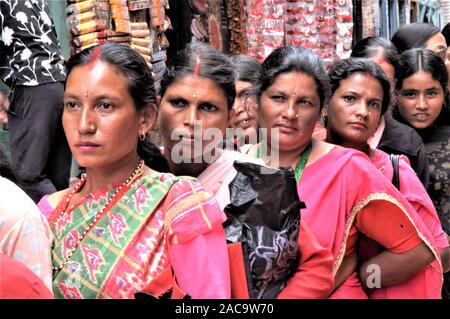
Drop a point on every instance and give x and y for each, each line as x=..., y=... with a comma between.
x=277, y=98
x=349, y=98
x=177, y=103
x=71, y=105
x=432, y=93
x=304, y=103
x=208, y=107
x=374, y=105
x=106, y=106
x=409, y=94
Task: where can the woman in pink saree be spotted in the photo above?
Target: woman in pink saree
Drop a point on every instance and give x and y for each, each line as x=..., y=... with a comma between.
x=125, y=226
x=197, y=95
x=346, y=197
x=359, y=89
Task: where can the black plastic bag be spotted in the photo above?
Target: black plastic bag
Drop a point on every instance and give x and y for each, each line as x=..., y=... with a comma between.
x=264, y=215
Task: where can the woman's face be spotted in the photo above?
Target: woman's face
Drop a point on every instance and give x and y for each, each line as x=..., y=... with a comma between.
x=292, y=106
x=192, y=104
x=100, y=119
x=354, y=110
x=420, y=99
x=387, y=68
x=438, y=45
x=244, y=111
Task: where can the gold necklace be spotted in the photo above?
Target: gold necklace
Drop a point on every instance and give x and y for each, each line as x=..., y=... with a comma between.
x=137, y=172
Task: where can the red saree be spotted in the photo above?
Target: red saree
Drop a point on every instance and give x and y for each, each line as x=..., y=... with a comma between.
x=414, y=192
x=343, y=190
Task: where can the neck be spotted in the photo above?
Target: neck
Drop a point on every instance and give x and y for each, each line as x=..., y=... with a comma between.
x=120, y=171
x=338, y=140
x=191, y=169
x=287, y=158
x=188, y=169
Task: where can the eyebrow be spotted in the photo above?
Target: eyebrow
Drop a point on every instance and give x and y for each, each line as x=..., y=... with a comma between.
x=298, y=96
x=71, y=95
x=175, y=96
x=350, y=91
x=429, y=88
x=243, y=91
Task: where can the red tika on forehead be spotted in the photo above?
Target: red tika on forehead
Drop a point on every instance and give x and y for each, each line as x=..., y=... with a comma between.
x=197, y=67
x=94, y=57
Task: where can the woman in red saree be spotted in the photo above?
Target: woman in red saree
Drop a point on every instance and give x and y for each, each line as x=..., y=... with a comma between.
x=360, y=94
x=125, y=225
x=345, y=196
x=197, y=95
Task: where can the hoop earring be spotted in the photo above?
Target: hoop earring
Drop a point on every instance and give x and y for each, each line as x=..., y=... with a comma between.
x=142, y=137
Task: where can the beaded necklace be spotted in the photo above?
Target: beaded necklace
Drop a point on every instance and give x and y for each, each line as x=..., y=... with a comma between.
x=301, y=162
x=136, y=173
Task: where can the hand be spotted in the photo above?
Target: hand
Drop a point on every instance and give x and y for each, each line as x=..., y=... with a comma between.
x=4, y=107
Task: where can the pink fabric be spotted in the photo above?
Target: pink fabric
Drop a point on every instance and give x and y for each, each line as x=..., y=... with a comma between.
x=414, y=192
x=331, y=187
x=313, y=278
x=218, y=175
x=45, y=207
x=208, y=266
x=24, y=233
x=351, y=287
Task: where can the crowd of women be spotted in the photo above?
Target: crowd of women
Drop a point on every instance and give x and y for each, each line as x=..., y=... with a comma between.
x=363, y=144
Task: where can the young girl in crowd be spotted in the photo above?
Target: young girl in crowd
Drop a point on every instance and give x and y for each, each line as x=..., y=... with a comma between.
x=344, y=193
x=421, y=91
x=420, y=35
x=360, y=96
x=124, y=225
x=392, y=136
x=198, y=90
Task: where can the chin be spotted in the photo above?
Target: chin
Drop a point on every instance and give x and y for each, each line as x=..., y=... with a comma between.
x=421, y=126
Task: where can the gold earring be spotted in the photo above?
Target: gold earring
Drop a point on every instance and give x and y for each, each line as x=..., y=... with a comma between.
x=142, y=137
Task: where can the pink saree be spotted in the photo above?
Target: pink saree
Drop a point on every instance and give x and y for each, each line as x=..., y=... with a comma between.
x=414, y=192
x=339, y=187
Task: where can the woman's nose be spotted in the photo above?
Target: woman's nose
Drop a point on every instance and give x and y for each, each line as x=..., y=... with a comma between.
x=86, y=123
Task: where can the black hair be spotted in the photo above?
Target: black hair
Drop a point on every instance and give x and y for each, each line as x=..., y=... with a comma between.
x=373, y=46
x=203, y=60
x=342, y=69
x=415, y=60
x=446, y=33
x=413, y=35
x=140, y=85
x=246, y=68
x=291, y=59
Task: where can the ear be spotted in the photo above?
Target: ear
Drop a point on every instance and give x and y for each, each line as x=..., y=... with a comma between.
x=147, y=118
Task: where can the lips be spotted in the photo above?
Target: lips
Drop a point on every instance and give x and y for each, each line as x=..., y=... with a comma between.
x=286, y=129
x=245, y=123
x=421, y=117
x=359, y=124
x=86, y=146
